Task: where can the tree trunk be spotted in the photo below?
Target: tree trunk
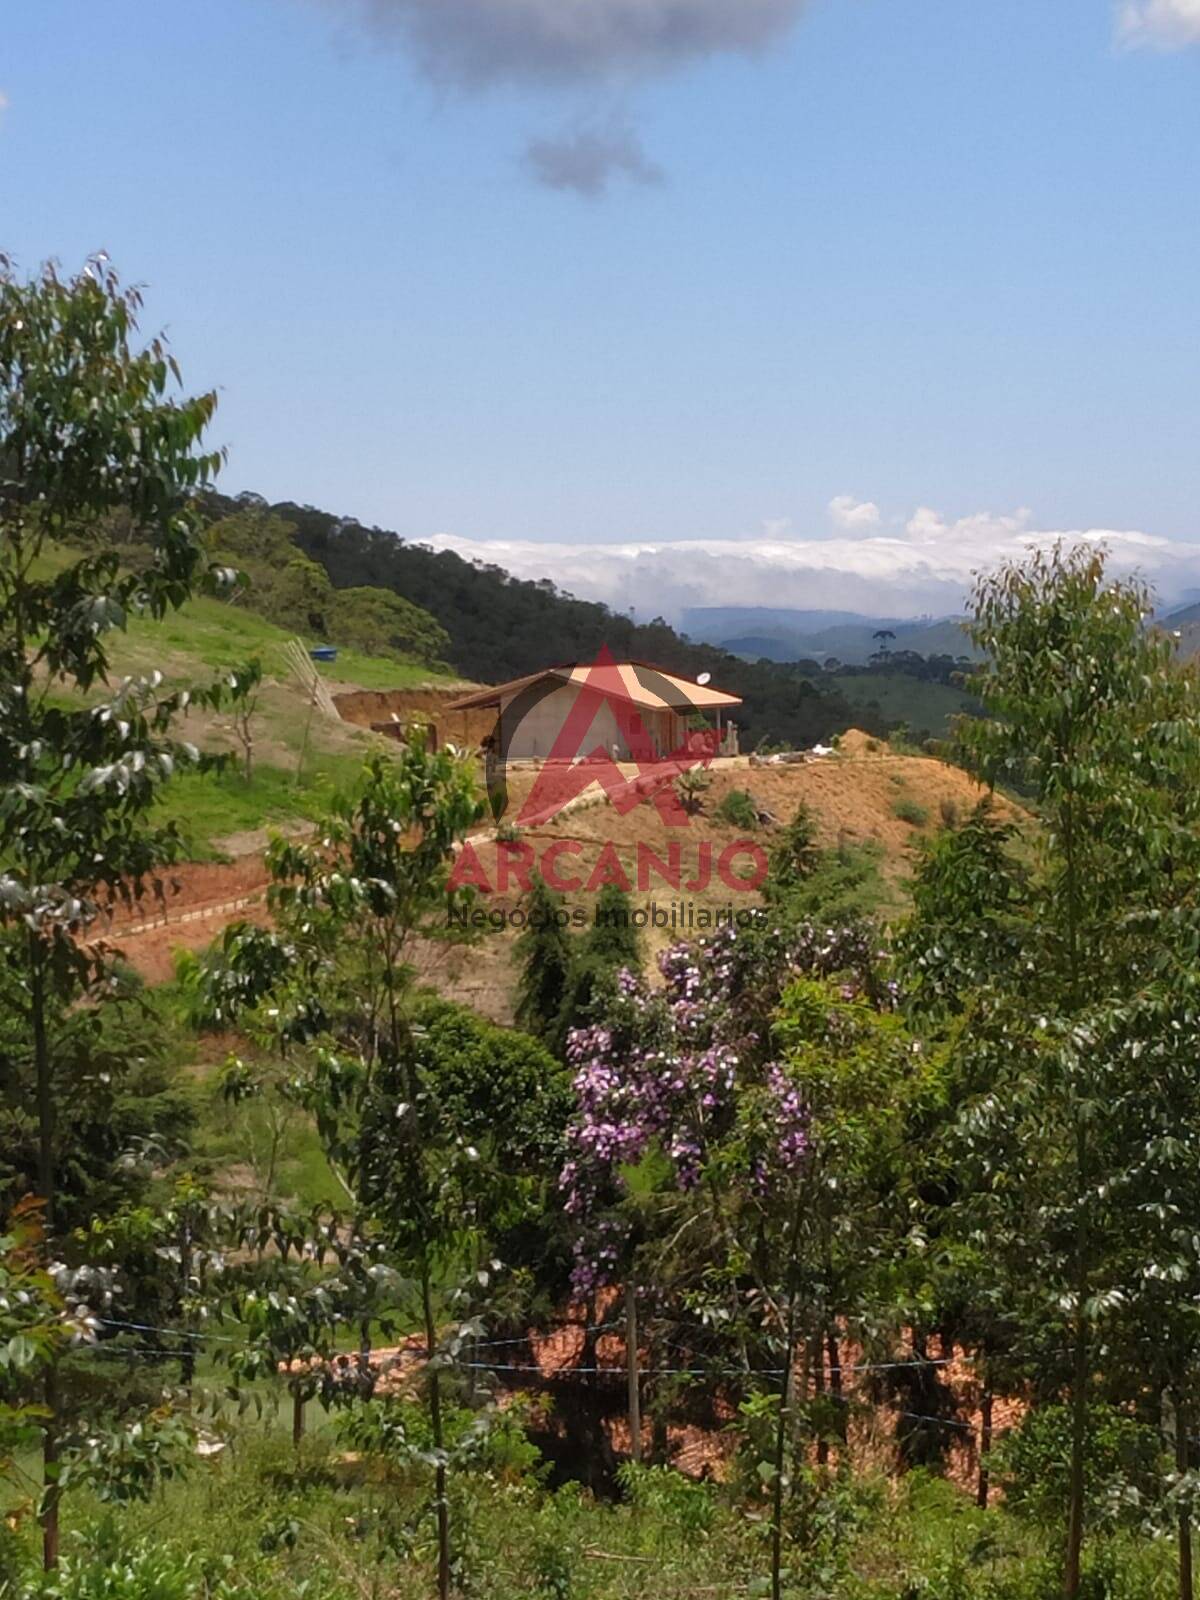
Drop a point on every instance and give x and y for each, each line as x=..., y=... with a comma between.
x=187, y=1361
x=1071, y=1576
x=985, y=1450
x=435, y=1423
x=1079, y=1396
x=818, y=1359
x=46, y=1182
x=785, y=1403
x=1079, y=1387
x=1182, y=1460
x=781, y=1432
x=836, y=1386
x=297, y=1418
x=49, y=1517
x=635, y=1381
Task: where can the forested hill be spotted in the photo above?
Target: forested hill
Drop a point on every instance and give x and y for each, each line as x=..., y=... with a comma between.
x=501, y=627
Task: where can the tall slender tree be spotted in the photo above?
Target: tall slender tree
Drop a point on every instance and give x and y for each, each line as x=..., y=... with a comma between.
x=545, y=953
x=88, y=426
x=1094, y=719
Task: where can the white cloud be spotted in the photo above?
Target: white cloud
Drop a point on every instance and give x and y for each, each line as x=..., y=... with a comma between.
x=775, y=529
x=927, y=526
x=928, y=567
x=1170, y=24
x=853, y=515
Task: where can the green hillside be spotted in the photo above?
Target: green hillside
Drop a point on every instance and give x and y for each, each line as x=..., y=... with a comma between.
x=926, y=706
x=299, y=756
x=496, y=627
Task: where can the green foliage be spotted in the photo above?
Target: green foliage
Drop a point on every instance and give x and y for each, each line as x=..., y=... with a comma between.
x=611, y=944
x=1059, y=985
x=280, y=583
x=220, y=633
x=291, y=590
x=120, y=1107
x=88, y=428
x=147, y=1571
x=32, y=1332
x=794, y=858
x=968, y=914
x=833, y=887
x=892, y=694
x=381, y=623
x=544, y=953
x=485, y=1440
x=674, y=1502
x=1123, y=1467
x=691, y=787
x=911, y=811
x=737, y=809
x=133, y=1461
x=613, y=940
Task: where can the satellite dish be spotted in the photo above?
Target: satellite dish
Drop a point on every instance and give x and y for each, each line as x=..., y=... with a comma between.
x=704, y=678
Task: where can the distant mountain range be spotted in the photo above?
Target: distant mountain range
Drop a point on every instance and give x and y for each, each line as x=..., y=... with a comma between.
x=763, y=632
x=1186, y=623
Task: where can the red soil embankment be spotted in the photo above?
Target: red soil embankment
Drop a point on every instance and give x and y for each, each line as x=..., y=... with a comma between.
x=366, y=708
x=187, y=909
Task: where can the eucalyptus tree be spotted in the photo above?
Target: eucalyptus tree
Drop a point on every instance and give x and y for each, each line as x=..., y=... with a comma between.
x=1070, y=938
x=89, y=426
x=429, y=1154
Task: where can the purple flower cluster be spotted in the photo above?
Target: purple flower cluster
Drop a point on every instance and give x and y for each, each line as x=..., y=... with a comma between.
x=790, y=1118
x=664, y=1068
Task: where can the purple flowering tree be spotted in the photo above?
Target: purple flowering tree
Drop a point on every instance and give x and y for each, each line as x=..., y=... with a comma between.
x=670, y=1073
x=734, y=1130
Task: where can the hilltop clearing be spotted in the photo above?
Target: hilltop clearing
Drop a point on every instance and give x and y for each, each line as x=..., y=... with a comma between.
x=869, y=806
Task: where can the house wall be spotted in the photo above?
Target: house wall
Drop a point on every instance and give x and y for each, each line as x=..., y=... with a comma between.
x=540, y=727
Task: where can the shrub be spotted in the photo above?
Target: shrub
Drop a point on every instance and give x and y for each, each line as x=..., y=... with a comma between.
x=795, y=857
x=948, y=810
x=148, y=1570
x=738, y=810
x=669, y=1497
x=690, y=789
x=1122, y=1479
x=911, y=811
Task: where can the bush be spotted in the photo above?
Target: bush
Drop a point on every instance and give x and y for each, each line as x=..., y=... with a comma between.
x=148, y=1570
x=911, y=811
x=690, y=789
x=1122, y=1471
x=673, y=1500
x=795, y=858
x=739, y=810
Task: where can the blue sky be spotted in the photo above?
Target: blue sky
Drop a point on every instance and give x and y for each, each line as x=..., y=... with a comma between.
x=918, y=279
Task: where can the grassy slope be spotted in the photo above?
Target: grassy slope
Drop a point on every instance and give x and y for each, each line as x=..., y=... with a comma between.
x=210, y=636
x=215, y=633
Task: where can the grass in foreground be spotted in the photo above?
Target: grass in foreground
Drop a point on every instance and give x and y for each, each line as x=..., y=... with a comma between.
x=265, y=1521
